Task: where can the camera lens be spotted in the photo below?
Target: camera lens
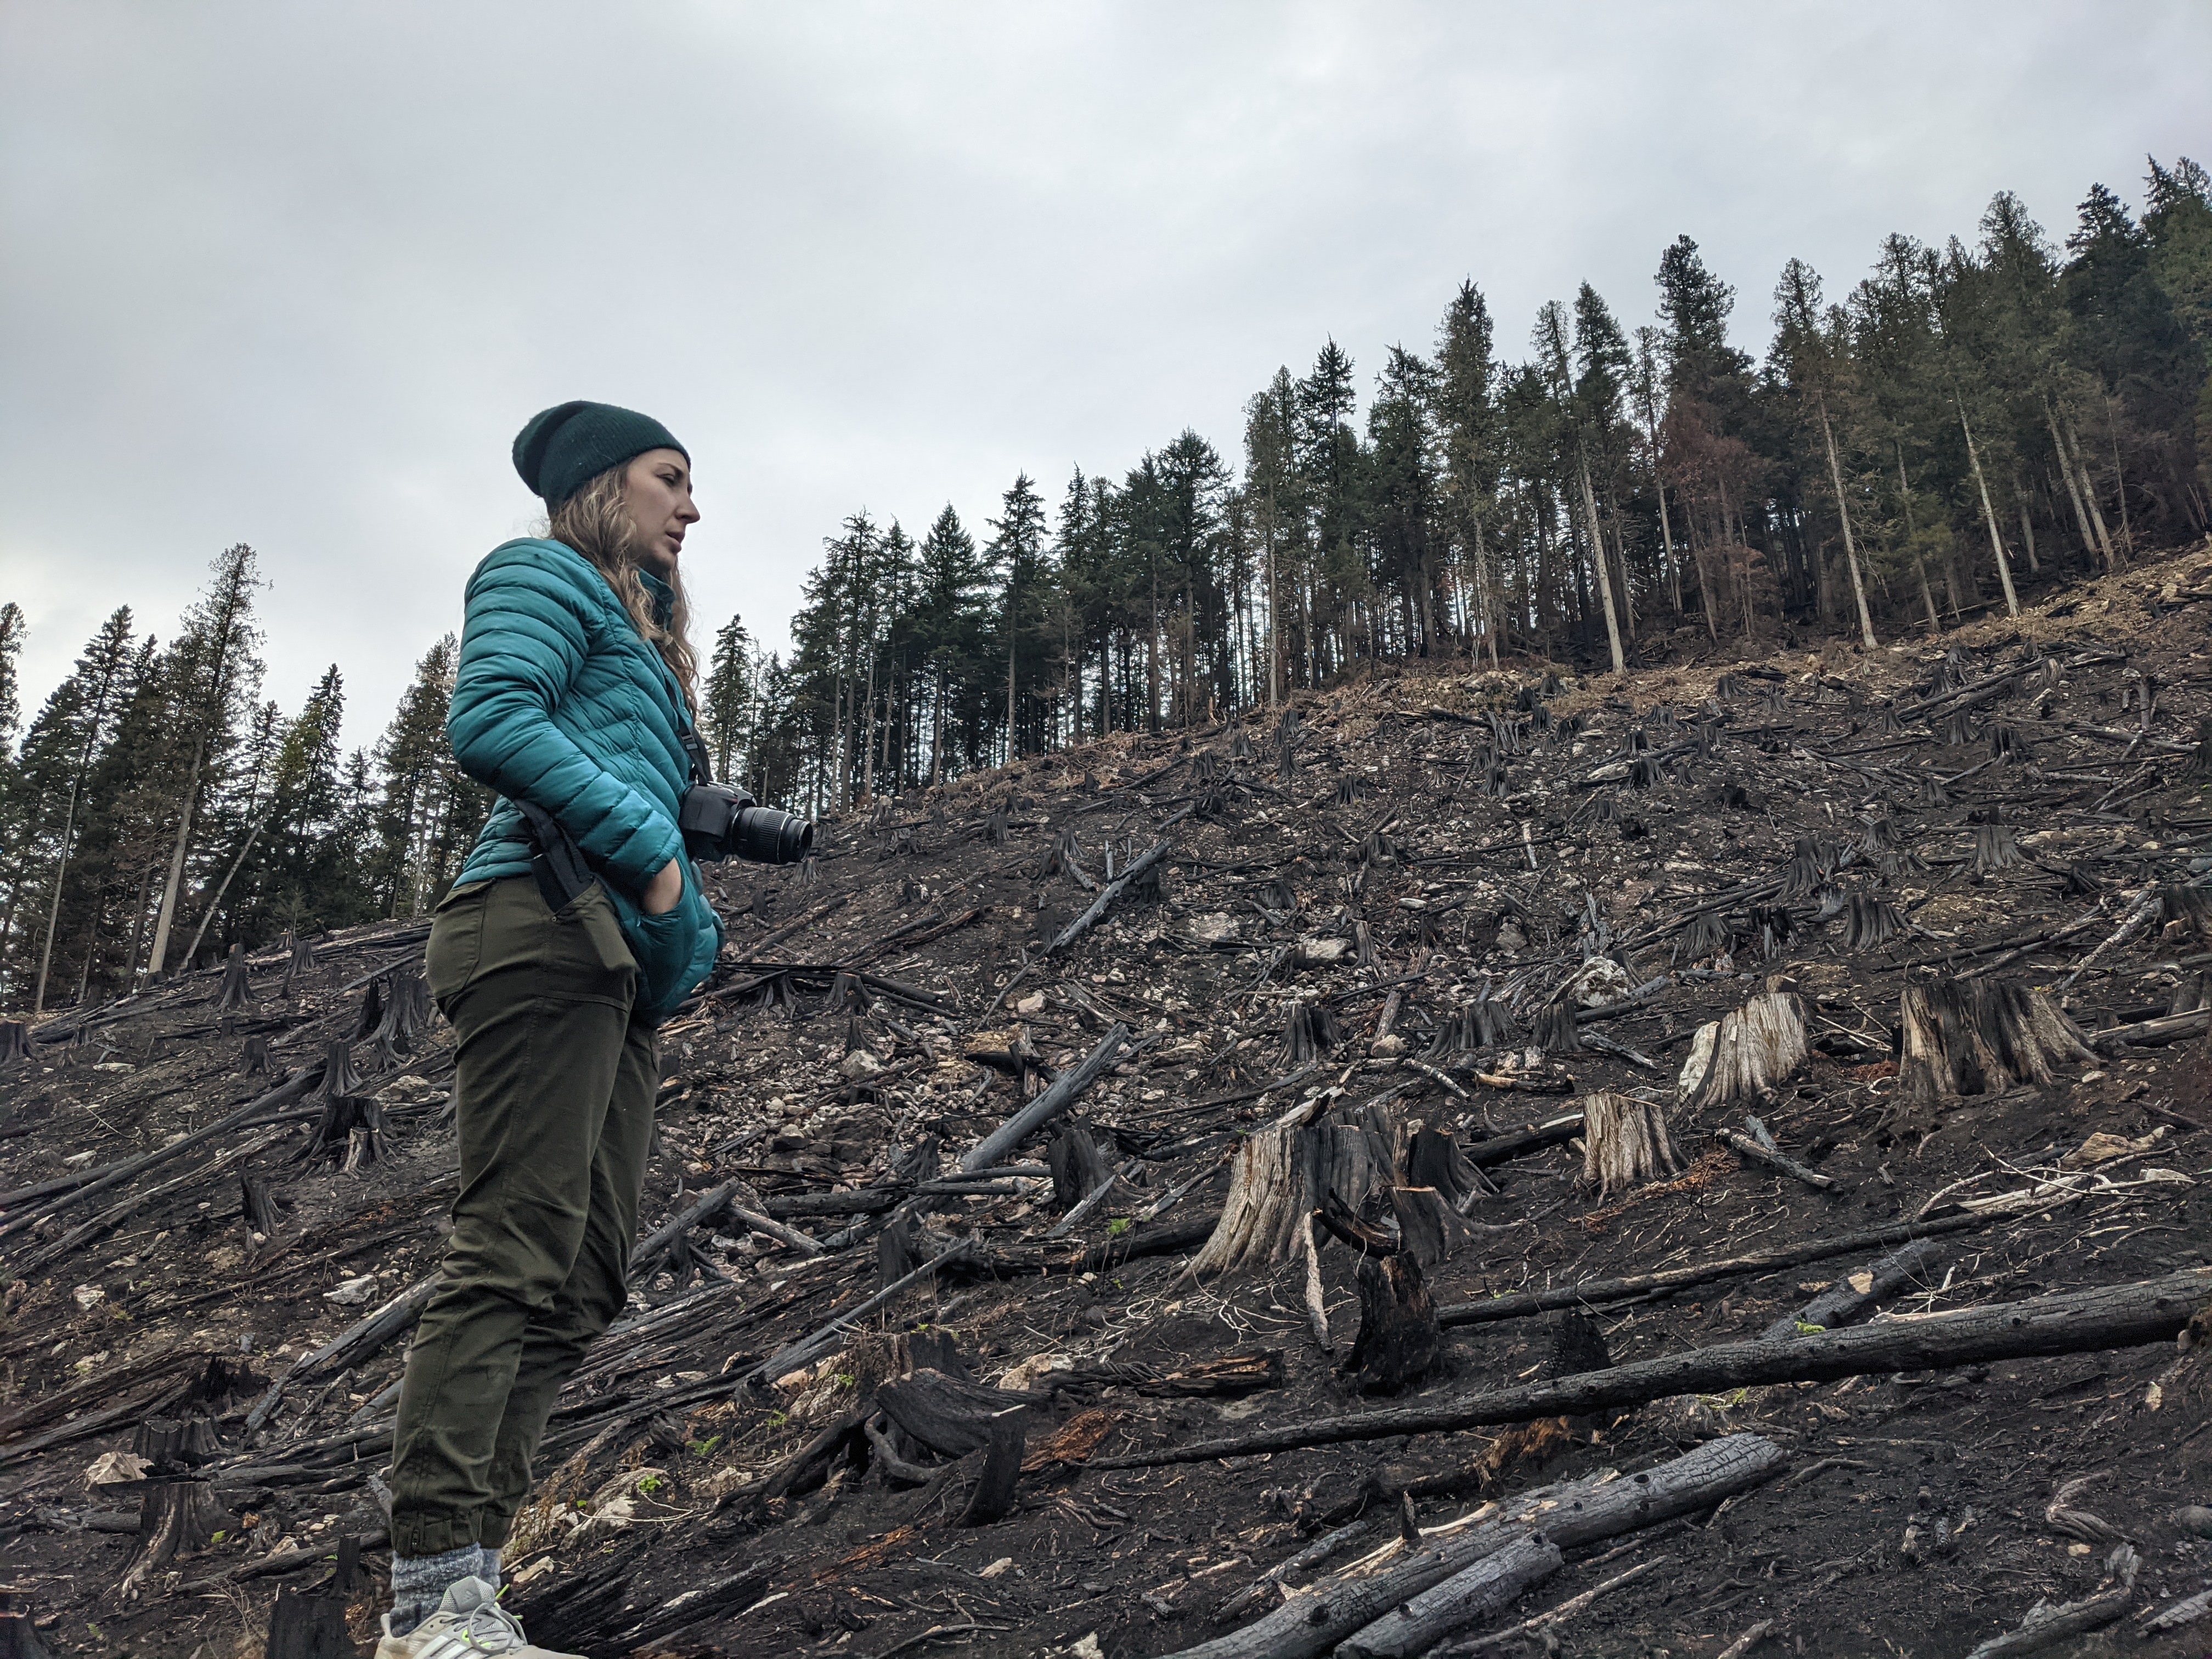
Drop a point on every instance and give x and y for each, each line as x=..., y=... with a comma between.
x=768, y=836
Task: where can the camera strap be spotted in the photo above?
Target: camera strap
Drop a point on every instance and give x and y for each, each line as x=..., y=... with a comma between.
x=703, y=770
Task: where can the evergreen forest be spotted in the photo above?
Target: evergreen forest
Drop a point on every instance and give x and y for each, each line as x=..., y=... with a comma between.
x=1966, y=425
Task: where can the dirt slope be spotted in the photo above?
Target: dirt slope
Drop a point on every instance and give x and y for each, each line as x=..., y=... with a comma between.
x=1440, y=850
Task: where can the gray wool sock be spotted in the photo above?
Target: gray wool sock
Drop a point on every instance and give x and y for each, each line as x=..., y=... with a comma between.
x=419, y=1582
x=488, y=1566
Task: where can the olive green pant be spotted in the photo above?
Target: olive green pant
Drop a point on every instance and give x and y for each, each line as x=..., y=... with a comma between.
x=553, y=1091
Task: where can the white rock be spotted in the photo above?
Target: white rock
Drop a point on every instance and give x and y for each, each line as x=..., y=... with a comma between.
x=88, y=1296
x=109, y=1467
x=859, y=1063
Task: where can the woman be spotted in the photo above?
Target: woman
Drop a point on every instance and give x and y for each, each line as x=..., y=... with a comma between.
x=575, y=927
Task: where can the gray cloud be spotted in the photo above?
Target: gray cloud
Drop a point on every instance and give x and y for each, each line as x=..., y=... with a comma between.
x=293, y=273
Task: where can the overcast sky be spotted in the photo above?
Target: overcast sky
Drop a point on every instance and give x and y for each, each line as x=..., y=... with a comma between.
x=293, y=273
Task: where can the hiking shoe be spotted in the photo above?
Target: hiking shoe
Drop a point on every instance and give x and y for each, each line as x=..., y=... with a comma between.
x=469, y=1621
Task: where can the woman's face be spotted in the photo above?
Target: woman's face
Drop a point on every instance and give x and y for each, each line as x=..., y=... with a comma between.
x=657, y=490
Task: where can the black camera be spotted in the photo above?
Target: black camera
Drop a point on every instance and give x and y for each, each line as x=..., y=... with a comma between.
x=719, y=822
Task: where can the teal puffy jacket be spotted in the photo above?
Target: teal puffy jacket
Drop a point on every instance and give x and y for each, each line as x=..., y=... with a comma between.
x=558, y=701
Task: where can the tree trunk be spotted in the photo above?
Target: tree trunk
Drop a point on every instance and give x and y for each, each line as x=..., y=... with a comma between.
x=1604, y=576
x=169, y=890
x=1844, y=512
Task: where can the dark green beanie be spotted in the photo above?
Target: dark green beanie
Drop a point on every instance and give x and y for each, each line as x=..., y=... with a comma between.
x=565, y=447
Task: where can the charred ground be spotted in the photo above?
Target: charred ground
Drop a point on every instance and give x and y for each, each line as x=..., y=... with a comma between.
x=1366, y=921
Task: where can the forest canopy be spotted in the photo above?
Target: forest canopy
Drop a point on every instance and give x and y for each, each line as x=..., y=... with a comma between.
x=1965, y=424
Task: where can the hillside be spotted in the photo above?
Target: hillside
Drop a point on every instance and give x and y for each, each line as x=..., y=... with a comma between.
x=1397, y=944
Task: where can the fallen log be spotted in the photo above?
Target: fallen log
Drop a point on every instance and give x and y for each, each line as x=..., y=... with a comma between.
x=1315, y=1619
x=1137, y=866
x=1847, y=1298
x=2075, y=1322
x=994, y=1147
x=1745, y=1146
x=1504, y=1149
x=291, y=1088
x=1596, y=1292
x=1471, y=1593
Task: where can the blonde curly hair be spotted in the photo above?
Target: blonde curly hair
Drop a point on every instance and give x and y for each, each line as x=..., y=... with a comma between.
x=596, y=522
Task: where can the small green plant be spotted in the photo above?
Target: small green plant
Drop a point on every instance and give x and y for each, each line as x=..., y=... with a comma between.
x=217, y=1537
x=777, y=1420
x=650, y=1484
x=845, y=1379
x=701, y=1447
x=1117, y=1226
x=1808, y=1329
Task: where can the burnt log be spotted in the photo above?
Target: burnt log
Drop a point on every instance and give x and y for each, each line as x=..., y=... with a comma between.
x=1856, y=1293
x=1473, y=1593
x=1078, y=1167
x=1312, y=1620
x=2112, y=1316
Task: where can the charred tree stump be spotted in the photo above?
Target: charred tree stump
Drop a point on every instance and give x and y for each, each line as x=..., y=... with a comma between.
x=14, y=1041
x=236, y=990
x=178, y=1516
x=1398, y=1339
x=1001, y=1474
x=1427, y=1227
x=258, y=1205
x=1079, y=1168
x=253, y=1060
x=1309, y=1031
x=1433, y=1159
x=1995, y=849
x=1624, y=1142
x=1555, y=1031
x=1737, y=1058
x=350, y=1130
x=406, y=1015
x=308, y=1626
x=19, y=1635
x=1869, y=921
x=1962, y=1037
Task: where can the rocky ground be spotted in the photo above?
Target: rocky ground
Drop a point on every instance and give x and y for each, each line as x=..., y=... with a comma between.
x=1393, y=981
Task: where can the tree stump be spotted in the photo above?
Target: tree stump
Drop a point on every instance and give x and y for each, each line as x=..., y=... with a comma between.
x=253, y=1060
x=350, y=1130
x=1624, y=1142
x=19, y=1635
x=14, y=1041
x=178, y=1516
x=1428, y=1227
x=236, y=990
x=1996, y=848
x=1078, y=1167
x=1962, y=1037
x=1398, y=1340
x=1735, y=1060
x=1434, y=1159
x=1556, y=1032
x=1869, y=921
x=993, y=1497
x=309, y=1626
x=1309, y=1031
